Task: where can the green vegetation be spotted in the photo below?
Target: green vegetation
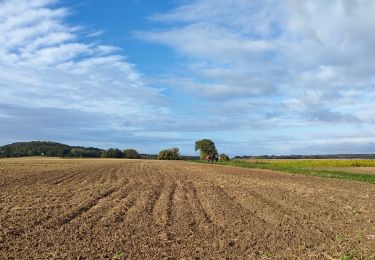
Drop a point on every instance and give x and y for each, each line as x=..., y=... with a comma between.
x=305, y=168
x=347, y=257
x=318, y=163
x=112, y=153
x=131, y=154
x=312, y=156
x=339, y=238
x=224, y=157
x=37, y=148
x=309, y=167
x=118, y=255
x=206, y=147
x=169, y=154
x=53, y=149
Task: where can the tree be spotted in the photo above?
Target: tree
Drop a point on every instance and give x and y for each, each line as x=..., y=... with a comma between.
x=77, y=152
x=112, y=153
x=169, y=154
x=224, y=157
x=206, y=147
x=131, y=154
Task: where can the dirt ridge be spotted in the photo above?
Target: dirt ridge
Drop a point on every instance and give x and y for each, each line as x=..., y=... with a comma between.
x=140, y=209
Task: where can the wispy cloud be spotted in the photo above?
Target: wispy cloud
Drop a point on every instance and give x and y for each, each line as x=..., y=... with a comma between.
x=311, y=51
x=264, y=75
x=303, y=63
x=45, y=66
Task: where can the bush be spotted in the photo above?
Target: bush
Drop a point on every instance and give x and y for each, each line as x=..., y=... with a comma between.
x=224, y=157
x=169, y=154
x=131, y=154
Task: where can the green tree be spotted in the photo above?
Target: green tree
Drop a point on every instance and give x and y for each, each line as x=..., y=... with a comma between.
x=131, y=154
x=169, y=154
x=224, y=157
x=112, y=153
x=77, y=152
x=37, y=148
x=206, y=147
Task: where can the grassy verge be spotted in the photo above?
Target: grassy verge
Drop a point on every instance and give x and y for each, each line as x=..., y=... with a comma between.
x=296, y=169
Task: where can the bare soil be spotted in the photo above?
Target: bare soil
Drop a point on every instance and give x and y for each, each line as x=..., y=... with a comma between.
x=136, y=209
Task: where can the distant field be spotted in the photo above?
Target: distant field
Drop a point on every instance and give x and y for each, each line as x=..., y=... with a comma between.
x=318, y=162
x=356, y=169
x=368, y=170
x=140, y=209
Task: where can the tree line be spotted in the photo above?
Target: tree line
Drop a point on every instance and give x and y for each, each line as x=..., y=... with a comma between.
x=313, y=156
x=117, y=153
x=54, y=149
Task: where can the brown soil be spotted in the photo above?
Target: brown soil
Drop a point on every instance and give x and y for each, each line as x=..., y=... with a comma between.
x=137, y=209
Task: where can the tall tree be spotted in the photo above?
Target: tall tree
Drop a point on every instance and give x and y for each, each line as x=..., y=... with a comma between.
x=206, y=147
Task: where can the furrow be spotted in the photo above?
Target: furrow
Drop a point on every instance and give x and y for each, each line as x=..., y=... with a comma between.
x=118, y=213
x=201, y=223
x=198, y=204
x=86, y=207
x=154, y=197
x=170, y=214
x=243, y=214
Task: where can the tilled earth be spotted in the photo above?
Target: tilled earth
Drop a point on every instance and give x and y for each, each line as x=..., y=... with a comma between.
x=135, y=209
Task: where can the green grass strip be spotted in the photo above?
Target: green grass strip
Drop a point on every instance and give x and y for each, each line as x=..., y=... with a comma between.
x=369, y=178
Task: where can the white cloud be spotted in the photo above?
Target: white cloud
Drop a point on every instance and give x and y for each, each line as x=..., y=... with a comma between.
x=313, y=52
x=43, y=63
x=208, y=40
x=268, y=74
x=54, y=85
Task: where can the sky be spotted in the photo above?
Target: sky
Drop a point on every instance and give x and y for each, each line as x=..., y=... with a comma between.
x=255, y=76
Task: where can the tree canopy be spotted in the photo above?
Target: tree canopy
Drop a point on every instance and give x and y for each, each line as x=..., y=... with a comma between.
x=131, y=154
x=206, y=147
x=42, y=148
x=112, y=153
x=224, y=157
x=169, y=154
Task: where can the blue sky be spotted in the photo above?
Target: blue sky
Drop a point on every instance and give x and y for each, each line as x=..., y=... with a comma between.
x=255, y=76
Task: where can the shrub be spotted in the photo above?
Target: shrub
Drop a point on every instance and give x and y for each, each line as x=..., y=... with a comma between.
x=224, y=157
x=169, y=154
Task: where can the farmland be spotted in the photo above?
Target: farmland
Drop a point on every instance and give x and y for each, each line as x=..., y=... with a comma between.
x=138, y=209
x=352, y=169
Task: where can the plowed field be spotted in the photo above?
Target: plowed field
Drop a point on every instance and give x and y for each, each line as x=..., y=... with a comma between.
x=56, y=208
